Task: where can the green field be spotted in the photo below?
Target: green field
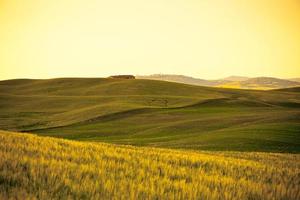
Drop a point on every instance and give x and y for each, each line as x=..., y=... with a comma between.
x=153, y=113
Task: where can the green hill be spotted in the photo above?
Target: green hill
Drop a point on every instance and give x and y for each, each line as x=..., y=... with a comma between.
x=153, y=113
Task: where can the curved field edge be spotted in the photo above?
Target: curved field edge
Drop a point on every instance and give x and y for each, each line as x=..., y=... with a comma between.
x=50, y=168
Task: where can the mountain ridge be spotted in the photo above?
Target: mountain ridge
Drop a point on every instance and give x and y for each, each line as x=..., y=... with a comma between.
x=240, y=82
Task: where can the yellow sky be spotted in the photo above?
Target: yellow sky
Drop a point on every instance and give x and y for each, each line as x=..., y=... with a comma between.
x=202, y=38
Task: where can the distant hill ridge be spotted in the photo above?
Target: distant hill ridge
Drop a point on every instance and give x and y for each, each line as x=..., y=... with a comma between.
x=122, y=76
x=295, y=79
x=263, y=83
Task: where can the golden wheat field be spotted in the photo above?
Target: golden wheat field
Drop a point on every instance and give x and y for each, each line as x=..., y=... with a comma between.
x=33, y=167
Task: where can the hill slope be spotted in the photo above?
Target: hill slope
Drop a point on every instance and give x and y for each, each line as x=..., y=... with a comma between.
x=47, y=168
x=264, y=83
x=178, y=79
x=295, y=79
x=236, y=78
x=153, y=113
x=240, y=82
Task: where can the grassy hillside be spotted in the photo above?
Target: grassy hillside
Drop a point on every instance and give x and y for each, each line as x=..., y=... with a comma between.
x=47, y=168
x=153, y=113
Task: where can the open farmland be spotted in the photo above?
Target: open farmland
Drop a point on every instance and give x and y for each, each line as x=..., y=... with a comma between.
x=153, y=113
x=48, y=168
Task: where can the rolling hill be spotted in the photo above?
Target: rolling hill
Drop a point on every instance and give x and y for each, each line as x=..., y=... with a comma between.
x=178, y=79
x=153, y=113
x=264, y=83
x=295, y=79
x=235, y=78
x=33, y=167
x=239, y=82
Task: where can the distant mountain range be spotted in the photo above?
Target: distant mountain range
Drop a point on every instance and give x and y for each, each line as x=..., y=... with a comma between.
x=295, y=79
x=262, y=83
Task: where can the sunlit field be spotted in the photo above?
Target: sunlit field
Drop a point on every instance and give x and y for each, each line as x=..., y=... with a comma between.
x=47, y=168
x=150, y=100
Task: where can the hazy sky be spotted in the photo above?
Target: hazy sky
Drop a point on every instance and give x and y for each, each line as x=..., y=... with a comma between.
x=202, y=38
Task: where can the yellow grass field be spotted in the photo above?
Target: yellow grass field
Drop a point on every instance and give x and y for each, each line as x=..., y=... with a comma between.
x=33, y=167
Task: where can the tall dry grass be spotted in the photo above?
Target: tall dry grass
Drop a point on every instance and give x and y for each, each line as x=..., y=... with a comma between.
x=35, y=167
